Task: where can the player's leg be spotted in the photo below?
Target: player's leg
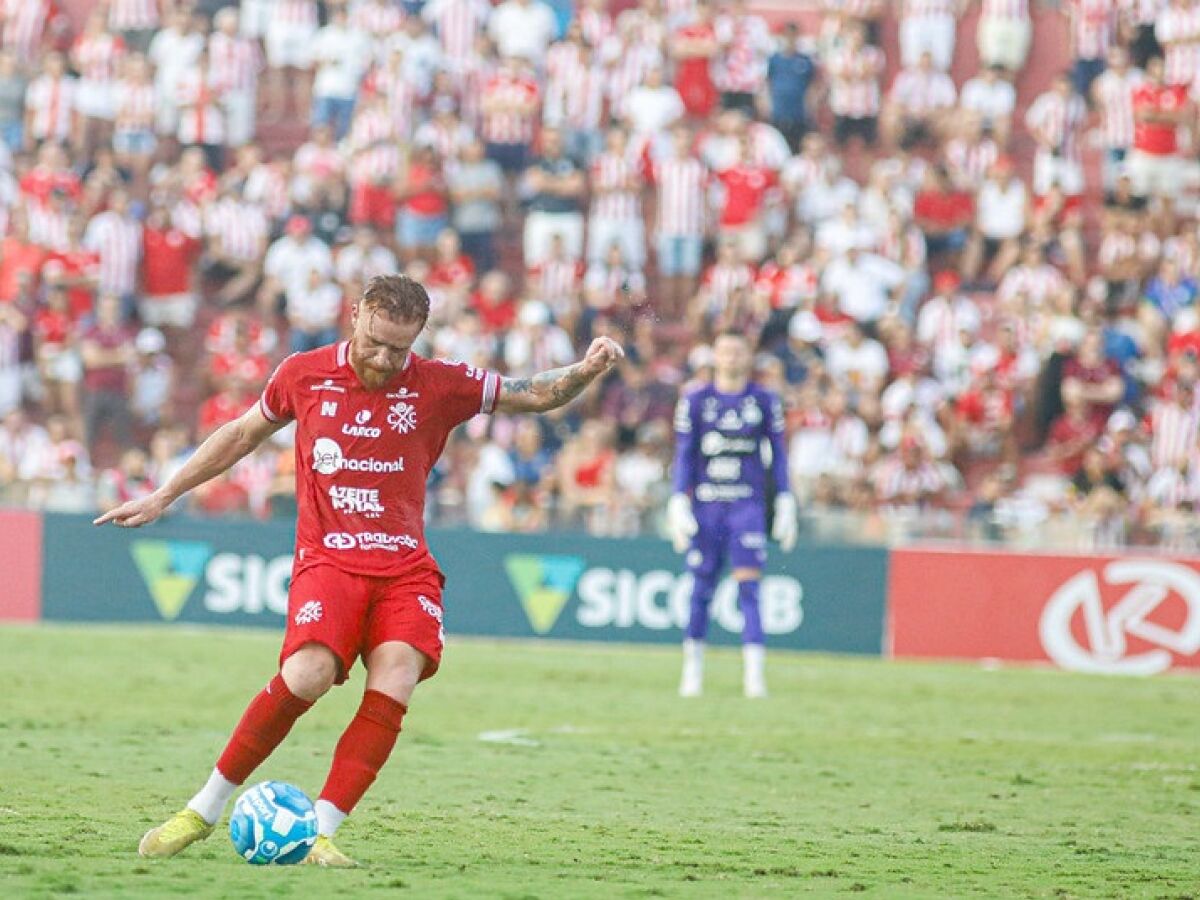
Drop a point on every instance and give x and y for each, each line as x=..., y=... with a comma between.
x=320, y=645
x=704, y=561
x=402, y=645
x=747, y=556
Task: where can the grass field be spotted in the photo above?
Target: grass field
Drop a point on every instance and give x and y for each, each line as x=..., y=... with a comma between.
x=885, y=779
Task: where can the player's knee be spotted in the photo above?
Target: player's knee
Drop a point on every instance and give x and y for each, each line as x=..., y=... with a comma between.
x=747, y=574
x=310, y=672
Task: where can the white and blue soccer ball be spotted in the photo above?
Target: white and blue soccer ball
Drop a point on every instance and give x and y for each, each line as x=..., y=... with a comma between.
x=273, y=824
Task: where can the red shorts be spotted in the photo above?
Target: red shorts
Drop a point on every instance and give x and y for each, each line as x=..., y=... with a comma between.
x=353, y=614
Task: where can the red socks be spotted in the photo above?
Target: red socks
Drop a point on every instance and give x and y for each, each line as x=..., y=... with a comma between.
x=363, y=749
x=265, y=723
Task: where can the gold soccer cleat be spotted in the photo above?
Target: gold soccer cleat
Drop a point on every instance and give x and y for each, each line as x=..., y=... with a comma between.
x=323, y=853
x=184, y=828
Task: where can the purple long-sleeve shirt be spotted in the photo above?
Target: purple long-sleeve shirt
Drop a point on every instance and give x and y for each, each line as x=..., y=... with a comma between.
x=719, y=442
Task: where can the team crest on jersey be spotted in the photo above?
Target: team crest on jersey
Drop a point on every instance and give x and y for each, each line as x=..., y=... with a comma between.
x=751, y=414
x=730, y=421
x=710, y=409
x=402, y=417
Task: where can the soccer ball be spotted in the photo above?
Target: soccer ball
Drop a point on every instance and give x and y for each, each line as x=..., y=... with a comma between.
x=273, y=823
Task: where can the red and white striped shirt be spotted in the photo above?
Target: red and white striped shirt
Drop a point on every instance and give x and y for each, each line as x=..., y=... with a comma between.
x=1059, y=119
x=447, y=139
x=556, y=282
x=626, y=69
x=234, y=62
x=295, y=12
x=375, y=153
x=1177, y=30
x=48, y=227
x=400, y=96
x=596, y=25
x=722, y=281
x=929, y=9
x=969, y=161
x=133, y=15
x=201, y=118
x=133, y=105
x=458, y=24
x=118, y=240
x=1093, y=27
x=314, y=161
x=52, y=101
x=96, y=56
x=682, y=195
x=1174, y=433
x=1013, y=10
x=617, y=184
x=267, y=187
x=379, y=20
x=742, y=67
x=575, y=97
x=1036, y=283
x=919, y=92
x=239, y=229
x=1114, y=93
x=510, y=126
x=24, y=25
x=854, y=82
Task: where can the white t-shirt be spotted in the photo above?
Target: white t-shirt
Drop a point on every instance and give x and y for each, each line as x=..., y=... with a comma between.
x=989, y=100
x=290, y=262
x=653, y=110
x=342, y=56
x=862, y=287
x=855, y=366
x=318, y=307
x=1001, y=209
x=523, y=29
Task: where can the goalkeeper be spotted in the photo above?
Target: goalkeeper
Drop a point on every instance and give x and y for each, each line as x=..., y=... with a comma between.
x=729, y=448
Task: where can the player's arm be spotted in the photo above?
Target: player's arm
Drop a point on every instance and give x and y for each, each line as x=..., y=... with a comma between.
x=219, y=452
x=558, y=387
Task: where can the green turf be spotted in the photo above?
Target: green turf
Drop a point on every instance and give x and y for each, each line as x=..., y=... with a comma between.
x=892, y=780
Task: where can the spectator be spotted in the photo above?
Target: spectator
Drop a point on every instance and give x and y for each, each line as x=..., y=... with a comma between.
x=854, y=71
x=57, y=354
x=236, y=62
x=918, y=103
x=13, y=87
x=993, y=98
x=314, y=312
x=341, y=54
x=523, y=28
x=1004, y=34
x=791, y=72
x=152, y=379
x=421, y=196
x=476, y=187
x=290, y=34
x=928, y=27
x=1159, y=108
x=555, y=186
x=107, y=351
x=169, y=255
x=1000, y=220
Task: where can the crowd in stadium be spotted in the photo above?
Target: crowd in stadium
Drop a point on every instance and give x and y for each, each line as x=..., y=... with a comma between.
x=981, y=314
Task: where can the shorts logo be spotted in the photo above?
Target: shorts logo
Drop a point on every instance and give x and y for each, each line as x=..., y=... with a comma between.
x=309, y=612
x=370, y=540
x=328, y=459
x=430, y=607
x=356, y=501
x=360, y=428
x=402, y=417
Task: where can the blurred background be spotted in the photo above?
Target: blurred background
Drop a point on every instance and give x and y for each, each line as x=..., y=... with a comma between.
x=962, y=235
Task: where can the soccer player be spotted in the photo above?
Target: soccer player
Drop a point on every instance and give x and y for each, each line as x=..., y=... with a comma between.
x=372, y=418
x=718, y=512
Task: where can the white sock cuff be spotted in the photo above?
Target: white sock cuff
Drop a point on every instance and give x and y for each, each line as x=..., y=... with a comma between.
x=329, y=817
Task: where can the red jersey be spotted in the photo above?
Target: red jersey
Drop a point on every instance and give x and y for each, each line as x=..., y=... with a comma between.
x=363, y=457
x=1157, y=138
x=77, y=263
x=167, y=258
x=745, y=188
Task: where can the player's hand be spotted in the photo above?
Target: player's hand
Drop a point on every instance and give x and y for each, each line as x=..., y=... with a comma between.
x=134, y=512
x=786, y=527
x=681, y=524
x=602, y=355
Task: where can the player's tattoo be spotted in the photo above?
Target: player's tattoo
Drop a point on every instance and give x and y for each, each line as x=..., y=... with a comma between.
x=546, y=390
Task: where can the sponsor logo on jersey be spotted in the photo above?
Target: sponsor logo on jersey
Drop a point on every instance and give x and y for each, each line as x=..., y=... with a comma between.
x=370, y=540
x=356, y=501
x=360, y=428
x=402, y=394
x=329, y=408
x=328, y=458
x=713, y=444
x=751, y=414
x=402, y=417
x=309, y=612
x=327, y=385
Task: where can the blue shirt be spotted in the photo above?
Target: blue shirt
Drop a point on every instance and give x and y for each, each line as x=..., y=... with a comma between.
x=789, y=76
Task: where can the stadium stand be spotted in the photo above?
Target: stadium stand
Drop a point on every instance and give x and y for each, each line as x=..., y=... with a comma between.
x=963, y=235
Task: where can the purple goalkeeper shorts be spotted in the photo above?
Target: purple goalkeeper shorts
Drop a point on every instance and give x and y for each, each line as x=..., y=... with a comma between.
x=733, y=533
